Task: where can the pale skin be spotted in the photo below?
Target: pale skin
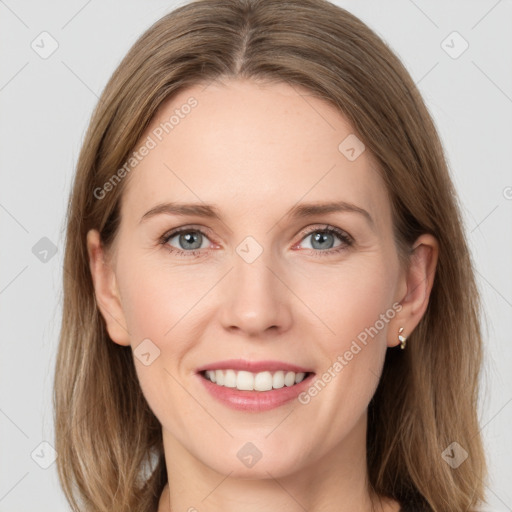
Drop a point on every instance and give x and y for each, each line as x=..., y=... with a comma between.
x=255, y=151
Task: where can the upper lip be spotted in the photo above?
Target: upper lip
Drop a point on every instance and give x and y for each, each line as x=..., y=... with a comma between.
x=253, y=366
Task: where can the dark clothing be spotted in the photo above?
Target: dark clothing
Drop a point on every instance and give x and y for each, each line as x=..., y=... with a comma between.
x=411, y=507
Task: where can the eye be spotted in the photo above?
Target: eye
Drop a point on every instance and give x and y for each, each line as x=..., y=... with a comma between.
x=189, y=241
x=322, y=239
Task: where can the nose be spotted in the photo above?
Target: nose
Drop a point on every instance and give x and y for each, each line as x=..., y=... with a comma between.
x=254, y=298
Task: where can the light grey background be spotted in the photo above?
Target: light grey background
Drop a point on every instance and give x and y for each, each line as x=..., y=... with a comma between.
x=46, y=105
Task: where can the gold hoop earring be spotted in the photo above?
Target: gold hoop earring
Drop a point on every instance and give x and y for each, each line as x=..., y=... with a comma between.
x=402, y=339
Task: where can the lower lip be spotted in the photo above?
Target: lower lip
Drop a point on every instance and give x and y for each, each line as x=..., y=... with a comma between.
x=255, y=401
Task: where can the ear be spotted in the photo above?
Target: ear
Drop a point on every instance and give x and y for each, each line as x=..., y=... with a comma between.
x=418, y=282
x=106, y=291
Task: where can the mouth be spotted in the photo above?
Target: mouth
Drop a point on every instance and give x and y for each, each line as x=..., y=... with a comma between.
x=243, y=380
x=254, y=386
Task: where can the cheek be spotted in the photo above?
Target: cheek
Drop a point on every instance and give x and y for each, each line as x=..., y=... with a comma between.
x=350, y=298
x=357, y=306
x=156, y=300
x=157, y=304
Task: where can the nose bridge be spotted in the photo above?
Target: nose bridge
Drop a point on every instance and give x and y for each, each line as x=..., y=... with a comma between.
x=253, y=298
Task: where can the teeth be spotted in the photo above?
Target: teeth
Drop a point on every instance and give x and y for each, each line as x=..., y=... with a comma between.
x=230, y=379
x=247, y=381
x=278, y=380
x=289, y=379
x=263, y=381
x=299, y=377
x=244, y=381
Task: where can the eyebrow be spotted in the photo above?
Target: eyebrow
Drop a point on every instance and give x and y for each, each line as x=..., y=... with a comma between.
x=303, y=210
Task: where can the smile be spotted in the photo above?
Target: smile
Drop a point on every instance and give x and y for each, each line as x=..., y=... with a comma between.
x=249, y=381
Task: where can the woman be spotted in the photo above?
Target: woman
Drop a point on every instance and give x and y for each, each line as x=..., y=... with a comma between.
x=242, y=153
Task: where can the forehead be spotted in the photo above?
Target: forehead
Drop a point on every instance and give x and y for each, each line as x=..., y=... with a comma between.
x=250, y=148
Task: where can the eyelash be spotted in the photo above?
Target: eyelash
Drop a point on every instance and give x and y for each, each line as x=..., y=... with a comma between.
x=345, y=238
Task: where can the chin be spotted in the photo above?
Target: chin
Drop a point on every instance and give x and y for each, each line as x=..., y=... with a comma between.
x=258, y=459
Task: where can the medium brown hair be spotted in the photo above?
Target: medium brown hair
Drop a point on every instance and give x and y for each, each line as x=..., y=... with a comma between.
x=109, y=443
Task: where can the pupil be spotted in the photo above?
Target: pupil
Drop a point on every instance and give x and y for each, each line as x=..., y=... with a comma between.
x=189, y=238
x=320, y=237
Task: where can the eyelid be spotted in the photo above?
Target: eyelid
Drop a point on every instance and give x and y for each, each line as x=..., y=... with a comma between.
x=189, y=227
x=324, y=227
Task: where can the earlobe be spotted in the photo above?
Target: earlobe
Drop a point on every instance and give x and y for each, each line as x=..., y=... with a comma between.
x=419, y=283
x=105, y=289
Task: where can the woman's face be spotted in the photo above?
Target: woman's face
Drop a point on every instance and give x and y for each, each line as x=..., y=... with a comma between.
x=254, y=277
